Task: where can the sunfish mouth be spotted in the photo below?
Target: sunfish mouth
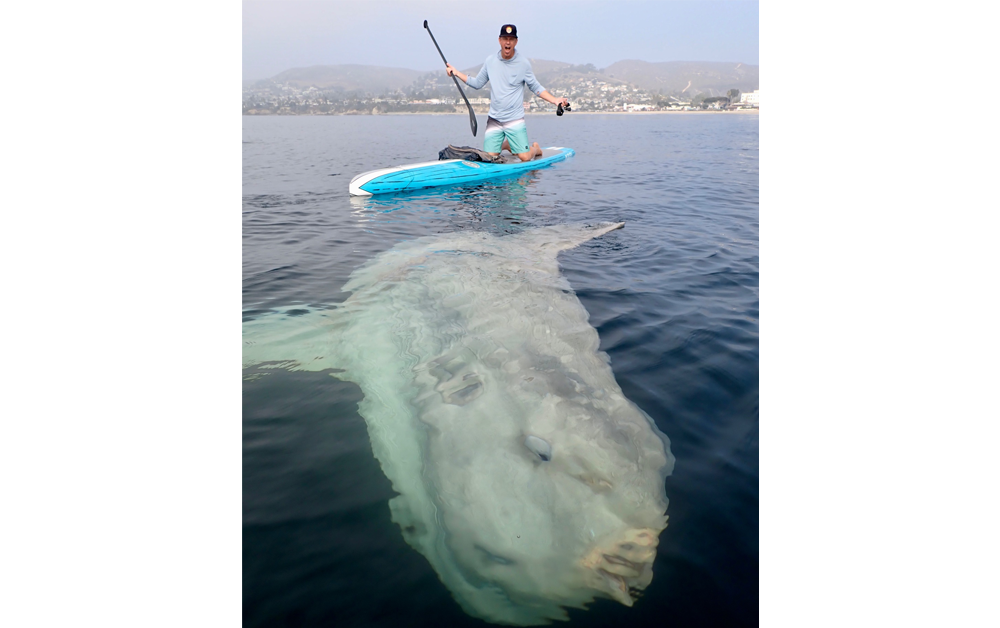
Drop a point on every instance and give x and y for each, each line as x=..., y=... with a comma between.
x=624, y=568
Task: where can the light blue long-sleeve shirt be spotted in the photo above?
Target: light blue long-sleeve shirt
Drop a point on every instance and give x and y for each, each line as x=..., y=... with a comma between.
x=506, y=79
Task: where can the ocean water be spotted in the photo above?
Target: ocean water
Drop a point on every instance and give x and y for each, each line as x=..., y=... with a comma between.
x=673, y=296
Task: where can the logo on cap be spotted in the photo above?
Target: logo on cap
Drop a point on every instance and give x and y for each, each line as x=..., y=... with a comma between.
x=508, y=29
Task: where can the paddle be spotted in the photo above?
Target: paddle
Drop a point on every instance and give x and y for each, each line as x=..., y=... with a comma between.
x=472, y=114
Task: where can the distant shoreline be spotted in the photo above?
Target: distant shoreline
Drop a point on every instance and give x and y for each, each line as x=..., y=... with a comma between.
x=532, y=113
x=633, y=113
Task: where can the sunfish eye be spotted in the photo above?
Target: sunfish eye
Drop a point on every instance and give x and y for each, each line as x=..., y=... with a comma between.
x=539, y=447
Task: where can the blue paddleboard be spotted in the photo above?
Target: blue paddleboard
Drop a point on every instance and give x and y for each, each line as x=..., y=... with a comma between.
x=447, y=172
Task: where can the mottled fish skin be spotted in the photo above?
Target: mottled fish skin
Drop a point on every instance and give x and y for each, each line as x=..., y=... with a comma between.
x=525, y=477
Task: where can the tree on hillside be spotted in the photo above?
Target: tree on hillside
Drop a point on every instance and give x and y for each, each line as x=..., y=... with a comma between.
x=734, y=95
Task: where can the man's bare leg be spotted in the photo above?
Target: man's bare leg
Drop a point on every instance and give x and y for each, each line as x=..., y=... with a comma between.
x=531, y=153
x=503, y=147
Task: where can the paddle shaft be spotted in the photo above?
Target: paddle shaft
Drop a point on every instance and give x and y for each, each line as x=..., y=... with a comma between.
x=472, y=114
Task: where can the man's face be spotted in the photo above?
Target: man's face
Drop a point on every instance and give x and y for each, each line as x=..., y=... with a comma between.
x=507, y=46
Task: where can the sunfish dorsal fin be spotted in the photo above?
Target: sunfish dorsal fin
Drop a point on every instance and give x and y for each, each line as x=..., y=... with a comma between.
x=561, y=237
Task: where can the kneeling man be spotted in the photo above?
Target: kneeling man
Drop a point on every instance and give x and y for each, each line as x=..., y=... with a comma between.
x=506, y=72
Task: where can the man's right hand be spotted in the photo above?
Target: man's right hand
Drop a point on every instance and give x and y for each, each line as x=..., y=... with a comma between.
x=453, y=72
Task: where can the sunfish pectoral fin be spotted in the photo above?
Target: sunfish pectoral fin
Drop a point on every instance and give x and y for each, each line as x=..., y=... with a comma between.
x=294, y=338
x=561, y=237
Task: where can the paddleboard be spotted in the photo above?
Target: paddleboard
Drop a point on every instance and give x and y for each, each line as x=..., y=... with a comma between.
x=448, y=172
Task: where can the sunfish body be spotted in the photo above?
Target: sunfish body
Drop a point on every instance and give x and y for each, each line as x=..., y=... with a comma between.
x=525, y=477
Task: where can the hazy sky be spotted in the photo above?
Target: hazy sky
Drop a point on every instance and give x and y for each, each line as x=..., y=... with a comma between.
x=282, y=34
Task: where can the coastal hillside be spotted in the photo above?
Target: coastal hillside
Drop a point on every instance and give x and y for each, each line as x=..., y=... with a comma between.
x=687, y=77
x=672, y=78
x=347, y=78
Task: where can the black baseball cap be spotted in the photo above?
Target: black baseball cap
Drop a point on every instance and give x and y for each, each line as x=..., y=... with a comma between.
x=508, y=30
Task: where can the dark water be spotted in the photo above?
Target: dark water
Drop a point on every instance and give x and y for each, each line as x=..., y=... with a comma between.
x=674, y=298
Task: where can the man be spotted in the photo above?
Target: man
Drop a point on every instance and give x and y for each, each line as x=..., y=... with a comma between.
x=506, y=72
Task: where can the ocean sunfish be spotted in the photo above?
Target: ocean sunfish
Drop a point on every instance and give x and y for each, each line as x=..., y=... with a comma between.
x=525, y=477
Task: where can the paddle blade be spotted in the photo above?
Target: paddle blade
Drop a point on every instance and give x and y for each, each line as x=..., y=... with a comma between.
x=425, y=23
x=474, y=122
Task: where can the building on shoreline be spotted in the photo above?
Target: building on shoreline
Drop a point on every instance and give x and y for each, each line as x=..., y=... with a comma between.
x=587, y=93
x=752, y=99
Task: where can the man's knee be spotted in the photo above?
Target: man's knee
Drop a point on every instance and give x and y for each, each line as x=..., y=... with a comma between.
x=533, y=151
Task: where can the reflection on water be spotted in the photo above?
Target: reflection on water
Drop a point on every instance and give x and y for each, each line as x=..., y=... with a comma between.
x=525, y=477
x=495, y=205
